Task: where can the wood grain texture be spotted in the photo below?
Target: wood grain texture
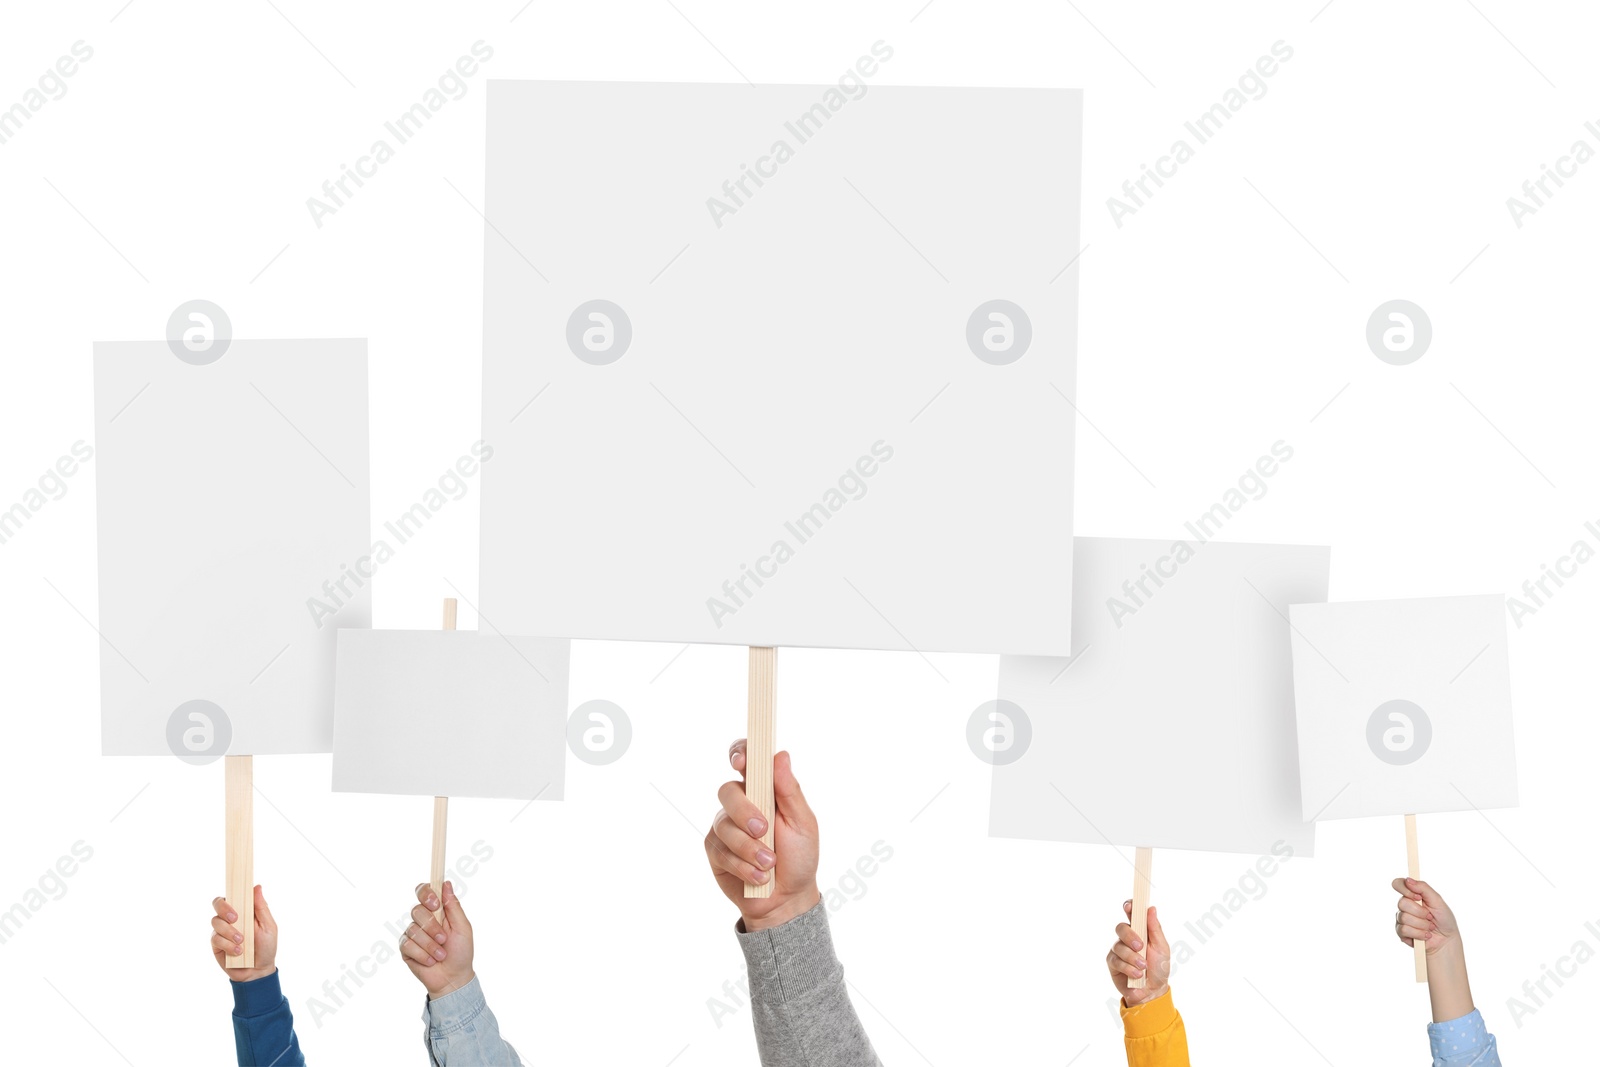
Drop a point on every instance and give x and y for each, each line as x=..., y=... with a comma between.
x=759, y=748
x=1143, y=858
x=1414, y=870
x=241, y=876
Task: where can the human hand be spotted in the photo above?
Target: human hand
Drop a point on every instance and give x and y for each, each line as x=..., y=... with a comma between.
x=227, y=941
x=1124, y=962
x=437, y=946
x=737, y=855
x=1425, y=917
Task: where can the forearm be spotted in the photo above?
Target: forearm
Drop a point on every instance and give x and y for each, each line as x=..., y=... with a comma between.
x=1448, y=988
x=799, y=1002
x=463, y=1032
x=263, y=1025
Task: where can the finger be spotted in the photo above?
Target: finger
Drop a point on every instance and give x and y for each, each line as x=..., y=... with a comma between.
x=453, y=913
x=1430, y=896
x=417, y=954
x=1127, y=955
x=1127, y=909
x=739, y=808
x=264, y=917
x=1408, y=906
x=736, y=755
x=1399, y=886
x=1158, y=937
x=221, y=906
x=1124, y=968
x=724, y=860
x=1126, y=935
x=426, y=898
x=786, y=790
x=425, y=921
x=741, y=844
x=1409, y=934
x=225, y=946
x=224, y=929
x=423, y=939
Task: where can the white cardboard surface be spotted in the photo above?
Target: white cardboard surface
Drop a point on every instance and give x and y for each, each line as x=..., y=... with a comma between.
x=1445, y=655
x=227, y=495
x=1175, y=729
x=450, y=713
x=817, y=333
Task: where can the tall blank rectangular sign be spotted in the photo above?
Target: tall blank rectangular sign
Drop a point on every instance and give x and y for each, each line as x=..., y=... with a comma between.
x=1173, y=724
x=1404, y=706
x=232, y=524
x=450, y=714
x=781, y=364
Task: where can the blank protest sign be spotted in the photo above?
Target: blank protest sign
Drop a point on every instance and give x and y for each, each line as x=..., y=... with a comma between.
x=228, y=494
x=1173, y=724
x=1404, y=706
x=450, y=714
x=828, y=409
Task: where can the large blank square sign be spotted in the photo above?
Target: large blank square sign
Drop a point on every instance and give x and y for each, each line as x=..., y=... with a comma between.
x=781, y=364
x=234, y=541
x=1404, y=706
x=1173, y=724
x=448, y=713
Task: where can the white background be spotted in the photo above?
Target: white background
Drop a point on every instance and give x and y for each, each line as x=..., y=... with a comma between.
x=1212, y=326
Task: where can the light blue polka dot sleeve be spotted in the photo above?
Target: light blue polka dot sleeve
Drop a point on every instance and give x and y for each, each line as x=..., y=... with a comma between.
x=1463, y=1042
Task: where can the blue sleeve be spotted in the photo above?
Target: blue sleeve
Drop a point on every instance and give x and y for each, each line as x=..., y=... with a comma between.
x=1463, y=1042
x=263, y=1028
x=463, y=1032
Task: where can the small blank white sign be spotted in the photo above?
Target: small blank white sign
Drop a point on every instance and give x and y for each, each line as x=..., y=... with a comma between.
x=809, y=395
x=1173, y=724
x=450, y=714
x=230, y=496
x=1404, y=706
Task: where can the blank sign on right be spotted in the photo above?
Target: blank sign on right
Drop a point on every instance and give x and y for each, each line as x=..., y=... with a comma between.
x=1403, y=706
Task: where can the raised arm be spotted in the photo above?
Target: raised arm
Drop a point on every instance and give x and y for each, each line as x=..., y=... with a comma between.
x=263, y=1026
x=802, y=1010
x=437, y=946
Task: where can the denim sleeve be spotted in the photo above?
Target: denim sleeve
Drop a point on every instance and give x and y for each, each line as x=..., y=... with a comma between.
x=263, y=1028
x=462, y=1031
x=1463, y=1042
x=802, y=1010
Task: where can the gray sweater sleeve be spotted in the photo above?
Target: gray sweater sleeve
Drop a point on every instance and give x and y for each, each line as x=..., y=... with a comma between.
x=803, y=1016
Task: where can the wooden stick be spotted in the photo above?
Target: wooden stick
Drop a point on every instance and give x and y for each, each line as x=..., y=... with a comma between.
x=441, y=805
x=1414, y=870
x=759, y=748
x=1142, y=860
x=241, y=876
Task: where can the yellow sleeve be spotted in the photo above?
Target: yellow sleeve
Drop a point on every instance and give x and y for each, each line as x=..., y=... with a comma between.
x=1153, y=1033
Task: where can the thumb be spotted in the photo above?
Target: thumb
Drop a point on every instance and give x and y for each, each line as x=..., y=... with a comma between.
x=264, y=913
x=786, y=790
x=1158, y=937
x=452, y=910
x=1430, y=896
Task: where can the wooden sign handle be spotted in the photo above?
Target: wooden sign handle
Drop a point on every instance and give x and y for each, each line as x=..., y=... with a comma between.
x=1414, y=870
x=758, y=750
x=441, y=805
x=1142, y=860
x=241, y=877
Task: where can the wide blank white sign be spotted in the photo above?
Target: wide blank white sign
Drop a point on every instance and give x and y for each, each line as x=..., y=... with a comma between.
x=1173, y=724
x=781, y=365
x=232, y=510
x=1404, y=706
x=450, y=714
